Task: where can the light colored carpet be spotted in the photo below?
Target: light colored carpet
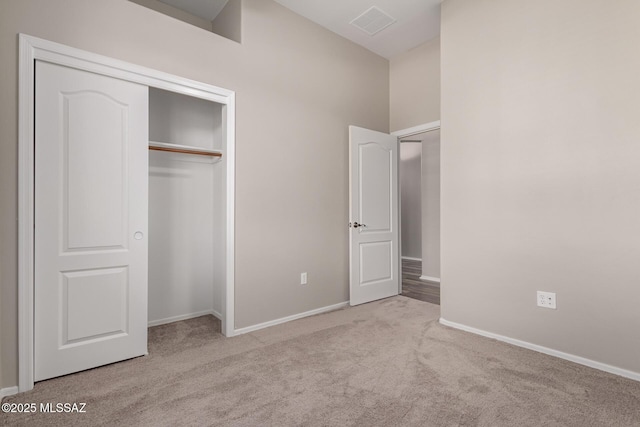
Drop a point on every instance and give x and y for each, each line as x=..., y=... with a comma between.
x=387, y=363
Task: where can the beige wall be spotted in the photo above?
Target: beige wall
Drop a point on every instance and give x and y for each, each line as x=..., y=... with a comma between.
x=431, y=204
x=295, y=98
x=411, y=199
x=414, y=86
x=540, y=172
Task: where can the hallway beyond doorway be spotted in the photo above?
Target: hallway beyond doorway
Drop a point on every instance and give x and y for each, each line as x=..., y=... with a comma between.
x=414, y=287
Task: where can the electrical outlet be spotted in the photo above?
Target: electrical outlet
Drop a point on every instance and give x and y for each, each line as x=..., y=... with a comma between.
x=303, y=278
x=547, y=299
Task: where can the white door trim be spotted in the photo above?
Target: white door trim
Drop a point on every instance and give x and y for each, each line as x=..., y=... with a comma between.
x=426, y=127
x=31, y=49
x=404, y=133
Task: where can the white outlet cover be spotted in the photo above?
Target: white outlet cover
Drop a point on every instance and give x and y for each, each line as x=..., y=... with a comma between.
x=546, y=299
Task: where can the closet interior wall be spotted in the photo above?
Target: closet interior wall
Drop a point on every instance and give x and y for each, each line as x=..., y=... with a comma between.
x=186, y=214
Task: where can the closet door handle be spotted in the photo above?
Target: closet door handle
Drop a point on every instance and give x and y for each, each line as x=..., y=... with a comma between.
x=356, y=225
x=138, y=235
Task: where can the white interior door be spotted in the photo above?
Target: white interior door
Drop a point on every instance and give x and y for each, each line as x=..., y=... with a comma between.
x=373, y=204
x=91, y=177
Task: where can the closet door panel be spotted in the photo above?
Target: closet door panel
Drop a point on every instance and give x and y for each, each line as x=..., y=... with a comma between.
x=95, y=170
x=99, y=295
x=90, y=221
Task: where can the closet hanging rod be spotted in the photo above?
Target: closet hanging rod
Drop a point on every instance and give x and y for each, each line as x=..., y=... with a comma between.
x=175, y=148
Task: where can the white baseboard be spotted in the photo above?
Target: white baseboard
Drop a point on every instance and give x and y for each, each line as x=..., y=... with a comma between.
x=182, y=317
x=551, y=352
x=9, y=391
x=410, y=258
x=430, y=279
x=290, y=318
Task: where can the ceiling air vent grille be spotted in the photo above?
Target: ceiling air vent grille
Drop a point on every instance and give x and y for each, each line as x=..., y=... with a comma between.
x=372, y=21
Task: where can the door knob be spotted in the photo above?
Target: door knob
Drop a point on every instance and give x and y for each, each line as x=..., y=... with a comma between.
x=356, y=225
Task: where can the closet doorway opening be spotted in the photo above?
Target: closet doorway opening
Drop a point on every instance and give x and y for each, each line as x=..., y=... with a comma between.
x=420, y=211
x=187, y=174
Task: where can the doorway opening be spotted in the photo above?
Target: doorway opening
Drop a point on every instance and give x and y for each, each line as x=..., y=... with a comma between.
x=420, y=212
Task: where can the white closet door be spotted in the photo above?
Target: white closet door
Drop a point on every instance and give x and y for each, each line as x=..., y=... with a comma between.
x=90, y=220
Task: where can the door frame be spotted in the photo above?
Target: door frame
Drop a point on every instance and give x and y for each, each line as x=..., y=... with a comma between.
x=399, y=134
x=32, y=49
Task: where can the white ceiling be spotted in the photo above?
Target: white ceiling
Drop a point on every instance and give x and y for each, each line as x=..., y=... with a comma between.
x=206, y=9
x=417, y=21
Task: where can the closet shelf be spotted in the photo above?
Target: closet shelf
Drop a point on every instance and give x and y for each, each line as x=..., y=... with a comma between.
x=176, y=148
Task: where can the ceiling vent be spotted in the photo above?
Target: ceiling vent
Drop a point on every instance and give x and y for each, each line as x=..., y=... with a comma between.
x=372, y=21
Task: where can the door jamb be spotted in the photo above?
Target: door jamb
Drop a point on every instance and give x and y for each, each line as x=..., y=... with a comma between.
x=404, y=133
x=32, y=49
